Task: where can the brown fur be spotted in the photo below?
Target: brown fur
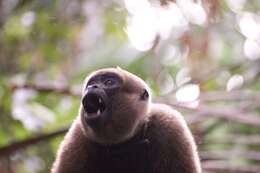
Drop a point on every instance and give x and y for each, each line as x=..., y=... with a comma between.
x=141, y=138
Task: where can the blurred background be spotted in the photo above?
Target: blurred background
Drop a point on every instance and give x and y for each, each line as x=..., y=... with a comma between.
x=200, y=56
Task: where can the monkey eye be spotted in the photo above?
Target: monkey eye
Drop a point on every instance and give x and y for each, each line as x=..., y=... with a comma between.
x=144, y=95
x=109, y=82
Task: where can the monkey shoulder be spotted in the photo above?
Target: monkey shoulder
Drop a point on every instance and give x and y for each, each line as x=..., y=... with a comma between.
x=167, y=121
x=75, y=149
x=171, y=141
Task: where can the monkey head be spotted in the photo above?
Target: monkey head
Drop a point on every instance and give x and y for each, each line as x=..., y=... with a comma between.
x=115, y=103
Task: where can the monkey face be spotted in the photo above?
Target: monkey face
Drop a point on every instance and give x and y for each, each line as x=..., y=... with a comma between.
x=114, y=103
x=97, y=98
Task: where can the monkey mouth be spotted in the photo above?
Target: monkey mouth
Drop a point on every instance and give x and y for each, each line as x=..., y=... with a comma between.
x=94, y=104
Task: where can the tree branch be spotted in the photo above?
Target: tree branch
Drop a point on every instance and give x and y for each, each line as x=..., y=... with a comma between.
x=240, y=95
x=61, y=89
x=226, y=114
x=13, y=147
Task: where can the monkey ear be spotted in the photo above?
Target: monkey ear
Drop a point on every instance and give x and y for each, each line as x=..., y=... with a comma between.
x=144, y=95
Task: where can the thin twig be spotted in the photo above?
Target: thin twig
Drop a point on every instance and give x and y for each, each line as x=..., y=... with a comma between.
x=224, y=166
x=230, y=154
x=249, y=139
x=239, y=95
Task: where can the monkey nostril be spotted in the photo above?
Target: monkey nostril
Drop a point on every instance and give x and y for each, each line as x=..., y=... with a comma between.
x=93, y=86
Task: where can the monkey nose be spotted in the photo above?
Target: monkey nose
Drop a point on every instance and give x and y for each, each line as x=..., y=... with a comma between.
x=94, y=86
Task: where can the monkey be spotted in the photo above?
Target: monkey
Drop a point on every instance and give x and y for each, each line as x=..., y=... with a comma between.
x=120, y=130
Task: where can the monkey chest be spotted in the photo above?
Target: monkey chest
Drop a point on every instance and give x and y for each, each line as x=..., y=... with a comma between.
x=126, y=159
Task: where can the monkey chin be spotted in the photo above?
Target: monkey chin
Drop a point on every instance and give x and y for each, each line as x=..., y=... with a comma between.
x=103, y=137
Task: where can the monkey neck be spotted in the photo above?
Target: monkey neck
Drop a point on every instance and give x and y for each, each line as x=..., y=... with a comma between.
x=138, y=140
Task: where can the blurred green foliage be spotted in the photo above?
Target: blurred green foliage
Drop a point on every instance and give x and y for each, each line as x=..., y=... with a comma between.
x=59, y=42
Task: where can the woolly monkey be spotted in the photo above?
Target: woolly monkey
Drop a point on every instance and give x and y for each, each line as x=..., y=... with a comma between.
x=120, y=130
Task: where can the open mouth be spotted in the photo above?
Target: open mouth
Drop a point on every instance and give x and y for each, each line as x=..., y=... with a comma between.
x=94, y=104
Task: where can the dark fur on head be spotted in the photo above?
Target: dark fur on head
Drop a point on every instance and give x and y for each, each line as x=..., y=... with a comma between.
x=128, y=111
